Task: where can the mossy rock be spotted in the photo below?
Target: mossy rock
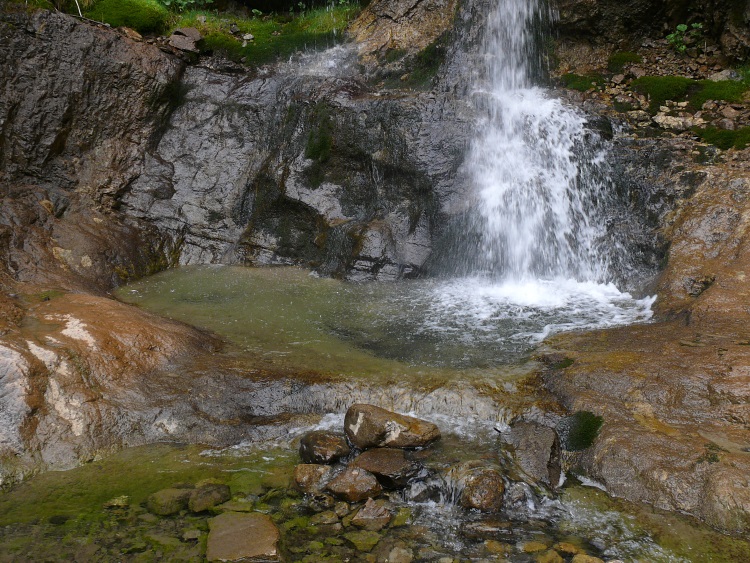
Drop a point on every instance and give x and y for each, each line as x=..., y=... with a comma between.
x=659, y=89
x=583, y=429
x=142, y=15
x=582, y=82
x=617, y=61
x=723, y=139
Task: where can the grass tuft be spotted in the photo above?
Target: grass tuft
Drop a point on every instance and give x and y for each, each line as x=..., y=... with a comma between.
x=618, y=60
x=584, y=82
x=142, y=15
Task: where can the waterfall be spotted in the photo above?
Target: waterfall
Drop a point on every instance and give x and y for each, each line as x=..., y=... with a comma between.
x=540, y=183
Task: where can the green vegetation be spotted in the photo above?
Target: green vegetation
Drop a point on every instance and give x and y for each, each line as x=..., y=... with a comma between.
x=617, y=61
x=319, y=143
x=659, y=89
x=275, y=35
x=724, y=139
x=683, y=34
x=582, y=83
x=583, y=430
x=562, y=364
x=142, y=15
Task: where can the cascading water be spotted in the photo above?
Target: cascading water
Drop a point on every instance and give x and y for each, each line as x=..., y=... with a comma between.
x=539, y=184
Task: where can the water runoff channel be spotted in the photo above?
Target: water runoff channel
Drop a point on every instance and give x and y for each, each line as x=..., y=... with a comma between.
x=542, y=264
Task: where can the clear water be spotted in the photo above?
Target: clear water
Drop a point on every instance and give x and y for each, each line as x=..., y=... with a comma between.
x=464, y=325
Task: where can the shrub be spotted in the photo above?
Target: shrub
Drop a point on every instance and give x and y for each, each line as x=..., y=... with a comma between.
x=141, y=15
x=618, y=61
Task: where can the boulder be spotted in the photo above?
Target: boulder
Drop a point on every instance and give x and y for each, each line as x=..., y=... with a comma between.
x=235, y=536
x=320, y=446
x=168, y=501
x=481, y=487
x=354, y=485
x=389, y=465
x=536, y=449
x=311, y=478
x=209, y=495
x=368, y=426
x=373, y=516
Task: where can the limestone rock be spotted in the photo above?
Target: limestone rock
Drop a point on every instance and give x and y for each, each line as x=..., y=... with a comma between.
x=320, y=446
x=536, y=449
x=168, y=501
x=373, y=516
x=369, y=426
x=209, y=495
x=354, y=485
x=311, y=478
x=389, y=465
x=237, y=536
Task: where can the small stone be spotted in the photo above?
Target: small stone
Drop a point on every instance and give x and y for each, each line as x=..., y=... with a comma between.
x=234, y=28
x=729, y=112
x=354, y=485
x=567, y=548
x=118, y=502
x=323, y=447
x=400, y=555
x=583, y=558
x=402, y=517
x=550, y=556
x=248, y=37
x=191, y=535
x=234, y=536
x=201, y=19
x=208, y=496
x=373, y=516
x=481, y=487
x=726, y=124
x=534, y=547
x=491, y=529
x=130, y=33
x=618, y=78
x=368, y=426
x=341, y=509
x=494, y=546
x=311, y=478
x=168, y=501
x=324, y=518
x=363, y=540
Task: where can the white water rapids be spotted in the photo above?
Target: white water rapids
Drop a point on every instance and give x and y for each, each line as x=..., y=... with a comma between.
x=541, y=185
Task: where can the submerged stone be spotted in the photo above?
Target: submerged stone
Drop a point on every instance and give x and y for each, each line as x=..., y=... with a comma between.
x=363, y=540
x=168, y=501
x=320, y=446
x=373, y=516
x=368, y=426
x=208, y=496
x=311, y=478
x=489, y=529
x=238, y=536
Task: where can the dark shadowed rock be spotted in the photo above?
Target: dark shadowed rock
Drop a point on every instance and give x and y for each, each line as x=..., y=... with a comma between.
x=354, y=484
x=536, y=449
x=481, y=487
x=208, y=496
x=373, y=516
x=311, y=478
x=368, y=426
x=320, y=446
x=235, y=536
x=389, y=465
x=168, y=501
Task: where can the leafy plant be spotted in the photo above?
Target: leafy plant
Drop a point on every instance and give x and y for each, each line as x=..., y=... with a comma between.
x=682, y=34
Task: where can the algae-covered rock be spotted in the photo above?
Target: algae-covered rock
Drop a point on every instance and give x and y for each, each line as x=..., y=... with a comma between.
x=363, y=540
x=208, y=496
x=239, y=536
x=168, y=501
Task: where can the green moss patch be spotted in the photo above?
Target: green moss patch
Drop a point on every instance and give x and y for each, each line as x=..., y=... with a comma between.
x=724, y=139
x=582, y=82
x=142, y=15
x=617, y=61
x=583, y=429
x=275, y=36
x=659, y=89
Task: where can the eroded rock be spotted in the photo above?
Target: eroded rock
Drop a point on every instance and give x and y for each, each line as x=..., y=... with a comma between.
x=369, y=426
